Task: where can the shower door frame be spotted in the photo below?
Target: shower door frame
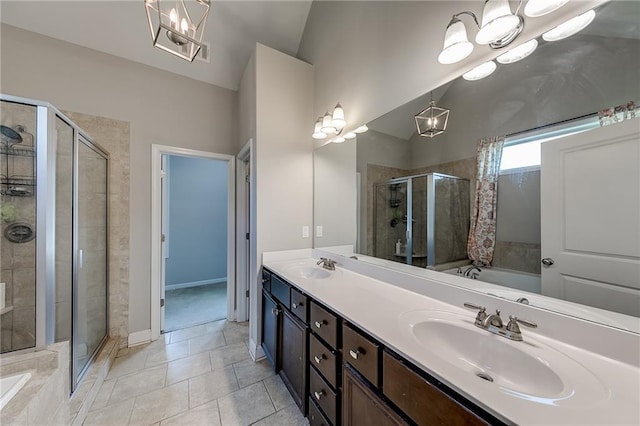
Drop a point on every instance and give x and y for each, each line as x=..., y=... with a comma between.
x=80, y=137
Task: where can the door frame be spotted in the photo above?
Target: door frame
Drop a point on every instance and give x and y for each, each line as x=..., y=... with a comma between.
x=244, y=210
x=157, y=151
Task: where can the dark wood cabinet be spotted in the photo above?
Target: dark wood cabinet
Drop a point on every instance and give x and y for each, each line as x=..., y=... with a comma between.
x=339, y=374
x=362, y=407
x=270, y=320
x=293, y=363
x=420, y=400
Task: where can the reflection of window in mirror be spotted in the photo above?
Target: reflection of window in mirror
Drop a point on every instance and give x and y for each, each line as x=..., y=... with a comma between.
x=523, y=149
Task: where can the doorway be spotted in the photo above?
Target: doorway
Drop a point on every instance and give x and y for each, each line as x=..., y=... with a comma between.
x=194, y=219
x=193, y=238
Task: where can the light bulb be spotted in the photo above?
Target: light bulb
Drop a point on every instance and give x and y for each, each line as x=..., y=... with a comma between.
x=481, y=71
x=327, y=127
x=184, y=25
x=173, y=18
x=456, y=44
x=518, y=53
x=350, y=135
x=317, y=130
x=361, y=129
x=337, y=118
x=535, y=8
x=339, y=140
x=570, y=27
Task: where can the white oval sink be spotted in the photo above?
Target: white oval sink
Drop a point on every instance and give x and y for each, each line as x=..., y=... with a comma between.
x=528, y=369
x=308, y=272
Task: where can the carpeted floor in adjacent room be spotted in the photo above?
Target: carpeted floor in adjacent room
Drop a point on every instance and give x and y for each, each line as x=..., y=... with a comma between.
x=186, y=307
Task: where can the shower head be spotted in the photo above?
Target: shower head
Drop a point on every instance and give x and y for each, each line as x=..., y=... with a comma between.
x=10, y=136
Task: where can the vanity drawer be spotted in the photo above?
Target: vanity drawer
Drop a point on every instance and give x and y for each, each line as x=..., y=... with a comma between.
x=315, y=416
x=362, y=354
x=299, y=304
x=281, y=290
x=266, y=280
x=322, y=394
x=324, y=324
x=323, y=359
x=423, y=402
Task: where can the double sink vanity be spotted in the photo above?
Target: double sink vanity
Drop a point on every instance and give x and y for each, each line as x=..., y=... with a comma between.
x=357, y=345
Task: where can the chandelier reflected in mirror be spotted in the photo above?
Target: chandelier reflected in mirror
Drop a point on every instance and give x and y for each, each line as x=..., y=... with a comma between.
x=432, y=120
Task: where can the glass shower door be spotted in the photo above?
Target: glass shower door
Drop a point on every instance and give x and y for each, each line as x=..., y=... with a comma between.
x=391, y=236
x=90, y=292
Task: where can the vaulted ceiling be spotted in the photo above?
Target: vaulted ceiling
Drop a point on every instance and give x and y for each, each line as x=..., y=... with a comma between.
x=120, y=28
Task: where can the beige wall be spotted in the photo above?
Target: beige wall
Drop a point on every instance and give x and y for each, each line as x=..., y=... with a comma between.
x=276, y=93
x=163, y=108
x=376, y=56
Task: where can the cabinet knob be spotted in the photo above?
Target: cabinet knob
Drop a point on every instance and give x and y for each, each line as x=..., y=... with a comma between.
x=275, y=311
x=296, y=305
x=319, y=395
x=319, y=358
x=264, y=280
x=354, y=354
x=319, y=324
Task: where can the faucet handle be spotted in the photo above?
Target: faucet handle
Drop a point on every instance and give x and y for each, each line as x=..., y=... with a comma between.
x=482, y=312
x=514, y=321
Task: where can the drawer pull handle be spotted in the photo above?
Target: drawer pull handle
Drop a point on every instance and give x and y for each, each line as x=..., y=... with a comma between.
x=319, y=395
x=296, y=305
x=319, y=358
x=275, y=311
x=319, y=324
x=264, y=280
x=354, y=354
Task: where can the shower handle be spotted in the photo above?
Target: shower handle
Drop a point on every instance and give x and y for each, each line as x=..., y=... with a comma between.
x=80, y=258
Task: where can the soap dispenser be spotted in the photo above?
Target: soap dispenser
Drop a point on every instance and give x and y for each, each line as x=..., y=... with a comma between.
x=398, y=246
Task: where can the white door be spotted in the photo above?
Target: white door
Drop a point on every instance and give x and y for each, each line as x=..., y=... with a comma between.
x=591, y=217
x=164, y=237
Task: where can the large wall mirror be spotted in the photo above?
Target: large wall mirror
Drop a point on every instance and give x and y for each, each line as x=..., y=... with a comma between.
x=568, y=183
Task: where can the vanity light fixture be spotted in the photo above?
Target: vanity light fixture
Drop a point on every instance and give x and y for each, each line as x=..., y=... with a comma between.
x=172, y=27
x=570, y=27
x=330, y=124
x=518, y=53
x=361, y=129
x=432, y=120
x=339, y=139
x=481, y=71
x=499, y=28
x=535, y=8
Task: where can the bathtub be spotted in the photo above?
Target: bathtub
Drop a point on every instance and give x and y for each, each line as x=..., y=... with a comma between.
x=507, y=278
x=9, y=387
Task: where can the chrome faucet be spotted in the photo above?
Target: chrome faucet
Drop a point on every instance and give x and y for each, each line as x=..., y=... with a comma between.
x=494, y=324
x=472, y=268
x=327, y=263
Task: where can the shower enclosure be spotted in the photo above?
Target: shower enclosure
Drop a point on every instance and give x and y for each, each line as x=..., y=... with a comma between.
x=421, y=220
x=53, y=246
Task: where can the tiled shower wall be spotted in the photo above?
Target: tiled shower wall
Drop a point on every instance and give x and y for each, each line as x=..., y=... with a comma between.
x=114, y=136
x=17, y=271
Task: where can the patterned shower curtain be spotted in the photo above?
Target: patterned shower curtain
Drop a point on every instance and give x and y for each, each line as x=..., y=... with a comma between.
x=621, y=112
x=482, y=234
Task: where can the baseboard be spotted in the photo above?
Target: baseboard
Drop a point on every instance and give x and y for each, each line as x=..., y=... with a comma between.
x=139, y=337
x=195, y=283
x=255, y=350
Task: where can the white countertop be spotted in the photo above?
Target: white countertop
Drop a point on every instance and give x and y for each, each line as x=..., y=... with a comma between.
x=377, y=307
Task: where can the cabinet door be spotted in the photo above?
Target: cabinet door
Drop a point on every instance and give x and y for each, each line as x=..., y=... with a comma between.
x=270, y=314
x=294, y=356
x=360, y=406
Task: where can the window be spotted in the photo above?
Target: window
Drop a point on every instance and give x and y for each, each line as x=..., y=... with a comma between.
x=523, y=150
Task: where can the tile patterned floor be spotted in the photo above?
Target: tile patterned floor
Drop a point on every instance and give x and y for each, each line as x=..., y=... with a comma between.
x=201, y=375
